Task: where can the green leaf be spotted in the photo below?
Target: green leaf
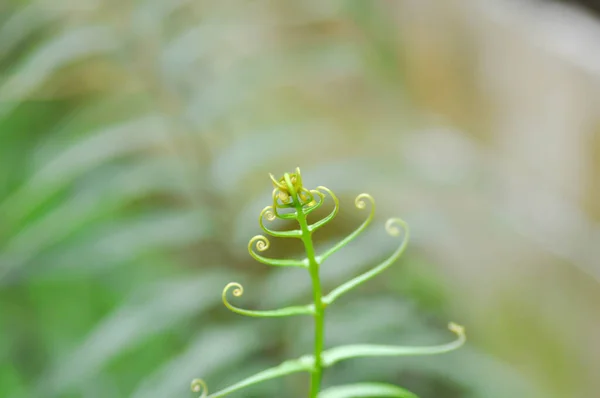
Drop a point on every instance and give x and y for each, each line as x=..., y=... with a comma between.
x=370, y=390
x=149, y=311
x=216, y=350
x=73, y=45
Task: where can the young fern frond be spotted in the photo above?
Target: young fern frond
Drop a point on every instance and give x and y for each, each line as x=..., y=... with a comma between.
x=292, y=201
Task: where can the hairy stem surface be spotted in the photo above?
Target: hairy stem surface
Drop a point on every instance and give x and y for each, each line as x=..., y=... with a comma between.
x=319, y=314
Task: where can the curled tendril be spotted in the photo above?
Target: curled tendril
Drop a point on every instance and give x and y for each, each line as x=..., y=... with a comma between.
x=280, y=205
x=394, y=227
x=262, y=243
x=314, y=204
x=198, y=385
x=361, y=203
x=459, y=330
x=238, y=291
x=305, y=197
x=337, y=354
x=268, y=213
x=330, y=216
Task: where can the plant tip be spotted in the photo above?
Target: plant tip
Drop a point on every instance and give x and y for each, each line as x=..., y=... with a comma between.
x=199, y=385
x=456, y=328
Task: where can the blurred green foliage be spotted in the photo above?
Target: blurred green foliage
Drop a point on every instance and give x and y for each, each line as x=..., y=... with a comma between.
x=135, y=138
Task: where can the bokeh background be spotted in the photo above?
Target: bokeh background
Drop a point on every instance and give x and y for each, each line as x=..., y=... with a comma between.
x=136, y=138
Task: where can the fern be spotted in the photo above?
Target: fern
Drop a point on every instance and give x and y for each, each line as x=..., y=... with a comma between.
x=292, y=201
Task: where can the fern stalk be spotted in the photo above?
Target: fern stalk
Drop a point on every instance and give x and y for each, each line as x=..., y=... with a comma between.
x=319, y=314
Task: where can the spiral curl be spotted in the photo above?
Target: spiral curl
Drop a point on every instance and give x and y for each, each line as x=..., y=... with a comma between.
x=260, y=242
x=395, y=226
x=268, y=213
x=237, y=292
x=277, y=204
x=360, y=202
x=313, y=204
x=199, y=385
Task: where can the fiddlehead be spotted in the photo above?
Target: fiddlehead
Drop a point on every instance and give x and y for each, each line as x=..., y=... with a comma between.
x=361, y=203
x=198, y=385
x=394, y=227
x=238, y=291
x=262, y=243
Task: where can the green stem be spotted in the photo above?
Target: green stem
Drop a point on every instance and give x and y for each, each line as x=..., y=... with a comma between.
x=319, y=313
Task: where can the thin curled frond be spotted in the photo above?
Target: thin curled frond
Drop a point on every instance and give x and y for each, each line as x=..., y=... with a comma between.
x=302, y=364
x=268, y=214
x=314, y=204
x=361, y=203
x=238, y=291
x=262, y=243
x=332, y=356
x=394, y=227
x=289, y=193
x=198, y=385
x=338, y=354
x=330, y=216
x=279, y=205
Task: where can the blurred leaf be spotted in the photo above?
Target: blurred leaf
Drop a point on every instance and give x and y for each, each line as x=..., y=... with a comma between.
x=94, y=150
x=219, y=348
x=73, y=45
x=150, y=311
x=33, y=16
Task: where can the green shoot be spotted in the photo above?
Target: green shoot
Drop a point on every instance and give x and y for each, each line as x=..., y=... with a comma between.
x=292, y=201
